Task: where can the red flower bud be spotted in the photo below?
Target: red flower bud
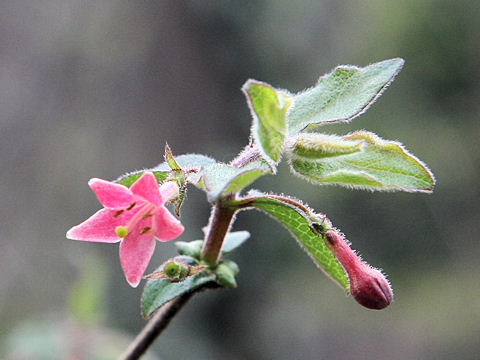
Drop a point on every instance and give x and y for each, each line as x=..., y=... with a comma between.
x=368, y=286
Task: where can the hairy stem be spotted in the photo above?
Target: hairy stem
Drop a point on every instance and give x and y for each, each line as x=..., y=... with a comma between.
x=220, y=221
x=222, y=216
x=155, y=327
x=159, y=322
x=249, y=154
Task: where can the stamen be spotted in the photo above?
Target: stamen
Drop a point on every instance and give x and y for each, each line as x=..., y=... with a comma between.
x=131, y=206
x=145, y=230
x=121, y=231
x=146, y=216
x=145, y=209
x=118, y=213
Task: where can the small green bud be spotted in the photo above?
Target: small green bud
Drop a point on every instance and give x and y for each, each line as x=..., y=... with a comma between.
x=177, y=269
x=172, y=269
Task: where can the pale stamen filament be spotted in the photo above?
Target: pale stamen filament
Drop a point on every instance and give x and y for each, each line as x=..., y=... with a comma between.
x=147, y=209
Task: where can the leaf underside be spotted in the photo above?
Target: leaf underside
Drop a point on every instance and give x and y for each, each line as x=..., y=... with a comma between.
x=188, y=162
x=158, y=292
x=222, y=179
x=341, y=95
x=232, y=241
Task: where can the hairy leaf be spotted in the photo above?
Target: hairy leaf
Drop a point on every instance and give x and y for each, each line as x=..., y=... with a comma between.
x=130, y=178
x=318, y=146
x=342, y=95
x=375, y=164
x=226, y=272
x=158, y=292
x=170, y=160
x=302, y=222
x=233, y=240
x=269, y=108
x=188, y=162
x=192, y=248
x=222, y=179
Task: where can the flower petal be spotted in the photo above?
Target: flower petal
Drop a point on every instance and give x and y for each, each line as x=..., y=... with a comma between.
x=168, y=190
x=100, y=227
x=166, y=226
x=147, y=187
x=136, y=250
x=110, y=194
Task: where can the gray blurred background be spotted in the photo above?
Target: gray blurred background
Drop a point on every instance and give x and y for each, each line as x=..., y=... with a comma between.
x=96, y=88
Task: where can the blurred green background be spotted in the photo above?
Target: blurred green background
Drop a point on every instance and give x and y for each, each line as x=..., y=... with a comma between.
x=96, y=88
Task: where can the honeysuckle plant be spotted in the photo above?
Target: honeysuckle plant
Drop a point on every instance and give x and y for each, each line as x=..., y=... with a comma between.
x=285, y=126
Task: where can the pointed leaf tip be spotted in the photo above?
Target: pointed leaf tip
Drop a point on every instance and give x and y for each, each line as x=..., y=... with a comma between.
x=170, y=160
x=359, y=160
x=341, y=95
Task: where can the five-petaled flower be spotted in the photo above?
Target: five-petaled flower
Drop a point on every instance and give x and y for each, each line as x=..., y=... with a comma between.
x=134, y=216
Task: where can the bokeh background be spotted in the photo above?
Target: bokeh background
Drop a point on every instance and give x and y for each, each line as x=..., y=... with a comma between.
x=96, y=88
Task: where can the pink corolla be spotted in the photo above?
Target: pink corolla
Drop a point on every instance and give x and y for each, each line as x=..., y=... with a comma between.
x=134, y=217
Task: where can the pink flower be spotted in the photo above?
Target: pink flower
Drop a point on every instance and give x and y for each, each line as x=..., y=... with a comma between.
x=134, y=216
x=368, y=286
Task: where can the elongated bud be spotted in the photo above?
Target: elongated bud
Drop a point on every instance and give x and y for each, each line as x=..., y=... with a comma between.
x=368, y=286
x=169, y=190
x=319, y=146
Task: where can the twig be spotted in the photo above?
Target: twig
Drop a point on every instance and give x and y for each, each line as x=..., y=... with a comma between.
x=220, y=222
x=159, y=322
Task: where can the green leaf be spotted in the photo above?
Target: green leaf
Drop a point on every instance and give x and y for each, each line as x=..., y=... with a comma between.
x=130, y=178
x=158, y=292
x=303, y=224
x=192, y=248
x=190, y=163
x=318, y=146
x=233, y=240
x=268, y=107
x=222, y=179
x=226, y=272
x=379, y=165
x=342, y=95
